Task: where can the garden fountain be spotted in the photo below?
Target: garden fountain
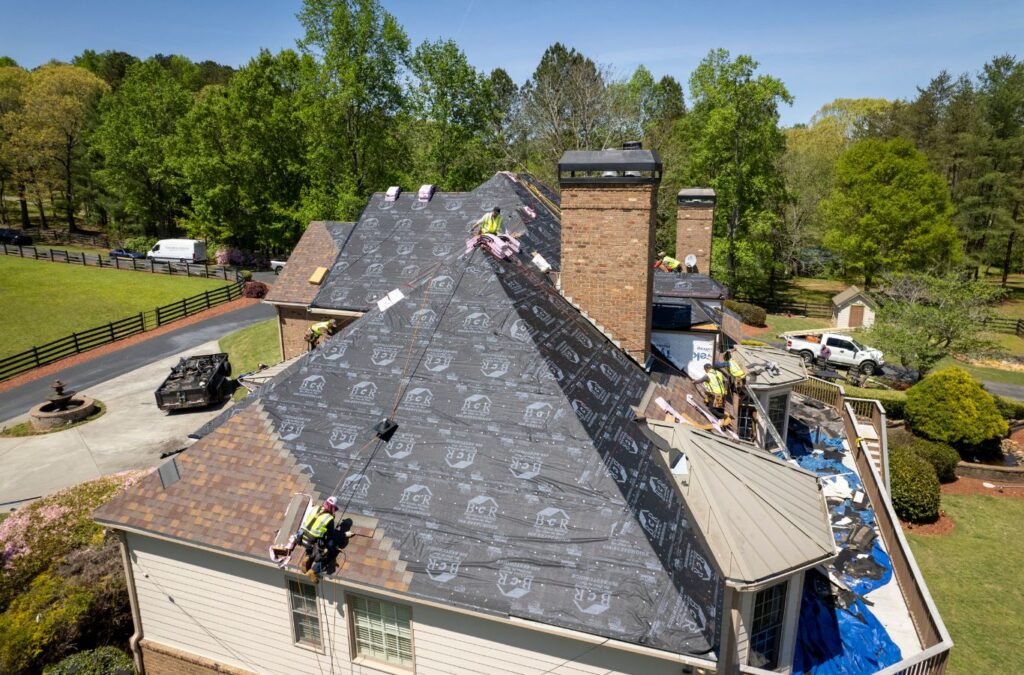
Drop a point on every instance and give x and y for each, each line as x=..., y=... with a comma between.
x=61, y=408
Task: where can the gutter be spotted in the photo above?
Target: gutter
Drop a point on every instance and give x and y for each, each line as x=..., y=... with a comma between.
x=133, y=600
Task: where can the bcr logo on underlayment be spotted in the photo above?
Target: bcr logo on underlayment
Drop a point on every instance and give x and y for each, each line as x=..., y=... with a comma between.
x=420, y=397
x=495, y=365
x=363, y=392
x=438, y=360
x=401, y=446
x=592, y=596
x=521, y=331
x=443, y=565
x=415, y=499
x=460, y=454
x=343, y=436
x=481, y=511
x=477, y=322
x=442, y=284
x=375, y=270
x=409, y=271
x=384, y=355
x=312, y=386
x=290, y=428
x=357, y=486
x=551, y=523
x=515, y=579
x=476, y=406
x=424, y=318
x=537, y=414
x=525, y=467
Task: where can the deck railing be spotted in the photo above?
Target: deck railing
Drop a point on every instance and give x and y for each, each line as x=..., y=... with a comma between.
x=828, y=393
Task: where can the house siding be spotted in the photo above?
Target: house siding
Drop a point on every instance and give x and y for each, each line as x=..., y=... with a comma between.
x=204, y=613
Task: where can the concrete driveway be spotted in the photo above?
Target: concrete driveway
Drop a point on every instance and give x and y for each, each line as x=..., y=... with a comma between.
x=130, y=435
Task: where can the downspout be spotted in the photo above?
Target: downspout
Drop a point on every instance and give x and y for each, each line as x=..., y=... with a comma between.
x=133, y=599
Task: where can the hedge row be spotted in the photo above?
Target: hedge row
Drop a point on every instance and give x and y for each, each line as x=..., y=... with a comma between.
x=942, y=457
x=915, y=487
x=752, y=315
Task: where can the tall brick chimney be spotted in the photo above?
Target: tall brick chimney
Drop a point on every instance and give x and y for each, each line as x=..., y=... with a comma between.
x=695, y=213
x=609, y=202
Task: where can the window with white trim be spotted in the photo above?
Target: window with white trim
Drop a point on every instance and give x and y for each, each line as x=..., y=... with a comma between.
x=778, y=406
x=381, y=630
x=766, y=626
x=305, y=615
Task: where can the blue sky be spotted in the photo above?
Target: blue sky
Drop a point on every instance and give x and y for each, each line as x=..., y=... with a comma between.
x=820, y=50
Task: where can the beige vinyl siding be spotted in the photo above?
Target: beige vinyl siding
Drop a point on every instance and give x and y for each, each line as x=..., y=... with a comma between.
x=237, y=613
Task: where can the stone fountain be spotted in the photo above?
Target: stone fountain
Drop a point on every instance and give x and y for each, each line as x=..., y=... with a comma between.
x=61, y=408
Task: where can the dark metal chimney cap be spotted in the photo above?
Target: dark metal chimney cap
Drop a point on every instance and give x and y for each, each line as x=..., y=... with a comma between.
x=696, y=197
x=593, y=164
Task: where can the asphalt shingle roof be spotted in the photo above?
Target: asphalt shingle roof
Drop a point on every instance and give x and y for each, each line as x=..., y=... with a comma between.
x=318, y=247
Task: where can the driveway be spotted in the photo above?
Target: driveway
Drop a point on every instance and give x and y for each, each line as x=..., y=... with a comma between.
x=17, y=401
x=130, y=435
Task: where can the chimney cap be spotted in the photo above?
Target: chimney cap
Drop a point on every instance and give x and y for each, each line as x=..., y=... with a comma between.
x=593, y=163
x=696, y=197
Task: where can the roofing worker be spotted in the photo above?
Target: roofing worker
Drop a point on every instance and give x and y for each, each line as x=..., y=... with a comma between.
x=735, y=370
x=317, y=535
x=490, y=223
x=714, y=387
x=318, y=330
x=668, y=263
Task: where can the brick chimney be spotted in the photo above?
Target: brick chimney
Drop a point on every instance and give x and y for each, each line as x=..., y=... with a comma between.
x=695, y=213
x=609, y=201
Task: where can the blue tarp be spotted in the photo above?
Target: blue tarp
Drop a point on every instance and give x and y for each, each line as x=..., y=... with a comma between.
x=833, y=639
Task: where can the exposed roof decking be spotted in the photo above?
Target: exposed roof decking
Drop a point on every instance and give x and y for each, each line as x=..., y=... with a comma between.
x=760, y=516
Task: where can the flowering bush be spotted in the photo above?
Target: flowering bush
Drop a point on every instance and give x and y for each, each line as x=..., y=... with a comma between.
x=227, y=255
x=255, y=289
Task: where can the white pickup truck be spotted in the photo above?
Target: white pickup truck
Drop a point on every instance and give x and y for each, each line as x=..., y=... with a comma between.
x=845, y=351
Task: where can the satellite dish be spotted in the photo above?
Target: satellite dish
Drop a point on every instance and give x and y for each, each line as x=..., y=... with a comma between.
x=690, y=261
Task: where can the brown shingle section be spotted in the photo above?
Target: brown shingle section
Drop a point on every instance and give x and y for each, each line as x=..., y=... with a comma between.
x=674, y=387
x=315, y=249
x=236, y=484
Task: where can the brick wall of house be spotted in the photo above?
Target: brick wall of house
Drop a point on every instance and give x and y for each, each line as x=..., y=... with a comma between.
x=694, y=218
x=607, y=255
x=160, y=659
x=294, y=322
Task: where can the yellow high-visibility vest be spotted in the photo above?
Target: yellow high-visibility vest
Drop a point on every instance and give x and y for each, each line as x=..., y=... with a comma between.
x=735, y=370
x=716, y=383
x=491, y=224
x=320, y=328
x=670, y=263
x=316, y=524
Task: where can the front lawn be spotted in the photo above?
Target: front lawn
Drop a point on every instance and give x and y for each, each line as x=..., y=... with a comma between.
x=44, y=301
x=974, y=577
x=252, y=345
x=779, y=323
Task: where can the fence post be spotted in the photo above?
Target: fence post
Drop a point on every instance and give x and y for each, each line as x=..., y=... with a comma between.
x=169, y=273
x=110, y=329
x=207, y=294
x=74, y=338
x=51, y=254
x=142, y=322
x=158, y=316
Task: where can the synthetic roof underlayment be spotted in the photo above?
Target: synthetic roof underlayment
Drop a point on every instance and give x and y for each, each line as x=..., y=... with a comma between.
x=518, y=481
x=760, y=516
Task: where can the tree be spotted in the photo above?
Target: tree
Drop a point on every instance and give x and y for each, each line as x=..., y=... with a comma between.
x=926, y=318
x=734, y=144
x=8, y=62
x=135, y=141
x=565, y=106
x=59, y=103
x=889, y=211
x=241, y=153
x=859, y=117
x=352, y=97
x=111, y=66
x=450, y=105
x=13, y=83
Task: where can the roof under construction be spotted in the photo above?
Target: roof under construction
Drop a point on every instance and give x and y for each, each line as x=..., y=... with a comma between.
x=770, y=366
x=519, y=481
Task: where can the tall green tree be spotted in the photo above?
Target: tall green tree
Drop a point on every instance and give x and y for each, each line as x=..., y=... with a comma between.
x=111, y=66
x=135, y=141
x=889, y=211
x=353, y=96
x=450, y=106
x=59, y=105
x=734, y=142
x=13, y=84
x=241, y=151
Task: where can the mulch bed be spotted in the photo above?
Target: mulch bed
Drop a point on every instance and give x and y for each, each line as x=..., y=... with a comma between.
x=963, y=486
x=58, y=366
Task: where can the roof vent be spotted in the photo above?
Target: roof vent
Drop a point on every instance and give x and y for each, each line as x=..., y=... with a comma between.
x=392, y=194
x=169, y=473
x=426, y=192
x=632, y=145
x=385, y=429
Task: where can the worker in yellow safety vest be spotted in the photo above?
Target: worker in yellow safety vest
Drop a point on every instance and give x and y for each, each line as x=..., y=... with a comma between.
x=735, y=370
x=318, y=535
x=714, y=387
x=667, y=263
x=490, y=223
x=318, y=330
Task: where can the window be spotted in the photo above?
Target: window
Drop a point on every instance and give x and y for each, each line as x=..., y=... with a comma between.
x=380, y=631
x=745, y=421
x=777, y=406
x=766, y=626
x=839, y=344
x=305, y=616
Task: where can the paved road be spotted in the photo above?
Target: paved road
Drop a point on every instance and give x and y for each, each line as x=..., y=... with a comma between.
x=18, y=400
x=1015, y=391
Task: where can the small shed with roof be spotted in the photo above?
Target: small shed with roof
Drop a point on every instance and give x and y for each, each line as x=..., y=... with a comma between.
x=853, y=308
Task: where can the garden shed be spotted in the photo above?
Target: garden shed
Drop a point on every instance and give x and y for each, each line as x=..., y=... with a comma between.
x=853, y=308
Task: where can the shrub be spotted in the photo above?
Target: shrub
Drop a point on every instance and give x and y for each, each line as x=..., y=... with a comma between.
x=752, y=315
x=255, y=289
x=41, y=624
x=1010, y=409
x=949, y=406
x=138, y=244
x=246, y=275
x=753, y=343
x=942, y=457
x=895, y=408
x=915, y=487
x=227, y=255
x=102, y=661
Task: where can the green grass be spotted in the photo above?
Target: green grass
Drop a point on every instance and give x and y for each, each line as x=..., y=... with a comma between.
x=44, y=301
x=252, y=345
x=26, y=429
x=781, y=324
x=973, y=578
x=806, y=289
x=984, y=374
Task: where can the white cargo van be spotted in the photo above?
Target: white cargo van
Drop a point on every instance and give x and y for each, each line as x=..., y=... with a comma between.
x=181, y=250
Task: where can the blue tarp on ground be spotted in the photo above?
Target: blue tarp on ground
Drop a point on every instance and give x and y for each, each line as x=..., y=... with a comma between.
x=844, y=637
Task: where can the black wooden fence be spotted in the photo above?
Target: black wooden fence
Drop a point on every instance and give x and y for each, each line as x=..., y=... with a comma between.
x=131, y=264
x=821, y=310
x=76, y=343
x=1003, y=325
x=64, y=237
